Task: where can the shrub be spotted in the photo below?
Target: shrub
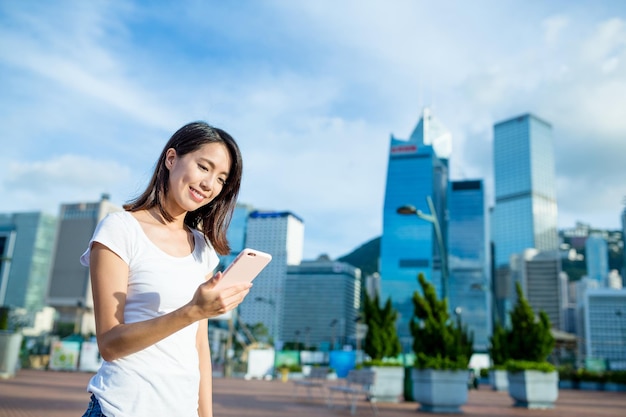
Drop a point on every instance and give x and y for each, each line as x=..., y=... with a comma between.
x=530, y=338
x=520, y=366
x=499, y=347
x=438, y=342
x=381, y=339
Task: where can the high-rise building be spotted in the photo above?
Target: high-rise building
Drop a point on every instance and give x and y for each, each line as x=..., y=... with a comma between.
x=469, y=259
x=417, y=171
x=597, y=259
x=280, y=233
x=69, y=290
x=318, y=324
x=525, y=213
x=236, y=233
x=26, y=249
x=605, y=326
x=624, y=241
x=539, y=273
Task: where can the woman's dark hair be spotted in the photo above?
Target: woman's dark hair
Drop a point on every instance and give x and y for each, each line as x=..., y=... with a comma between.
x=214, y=218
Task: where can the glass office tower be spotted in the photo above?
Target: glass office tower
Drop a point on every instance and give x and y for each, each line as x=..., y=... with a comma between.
x=525, y=214
x=417, y=169
x=597, y=259
x=469, y=259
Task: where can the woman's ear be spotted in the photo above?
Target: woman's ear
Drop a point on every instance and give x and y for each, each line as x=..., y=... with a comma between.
x=170, y=157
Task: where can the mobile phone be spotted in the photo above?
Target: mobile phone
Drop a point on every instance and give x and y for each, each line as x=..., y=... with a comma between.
x=246, y=266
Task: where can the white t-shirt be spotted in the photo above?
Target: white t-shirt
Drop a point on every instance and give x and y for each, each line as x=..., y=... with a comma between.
x=163, y=379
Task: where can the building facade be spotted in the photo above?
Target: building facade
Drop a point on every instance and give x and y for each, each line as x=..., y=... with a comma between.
x=69, y=290
x=525, y=214
x=525, y=211
x=539, y=273
x=469, y=259
x=322, y=303
x=26, y=250
x=605, y=326
x=280, y=233
x=597, y=259
x=409, y=246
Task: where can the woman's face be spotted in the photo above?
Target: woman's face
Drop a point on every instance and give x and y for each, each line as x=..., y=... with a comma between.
x=196, y=178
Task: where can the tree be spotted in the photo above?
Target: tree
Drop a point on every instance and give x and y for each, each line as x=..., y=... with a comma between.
x=499, y=346
x=438, y=342
x=381, y=340
x=530, y=338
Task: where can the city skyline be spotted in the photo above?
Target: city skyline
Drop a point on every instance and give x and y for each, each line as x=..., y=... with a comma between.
x=92, y=91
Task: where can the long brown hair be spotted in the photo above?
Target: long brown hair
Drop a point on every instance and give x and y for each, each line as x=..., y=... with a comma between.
x=214, y=218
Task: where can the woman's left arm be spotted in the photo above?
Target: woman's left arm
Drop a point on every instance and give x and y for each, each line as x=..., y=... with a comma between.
x=205, y=401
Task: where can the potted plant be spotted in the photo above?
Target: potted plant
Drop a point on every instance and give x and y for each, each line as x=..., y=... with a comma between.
x=499, y=354
x=442, y=352
x=10, y=344
x=533, y=381
x=382, y=345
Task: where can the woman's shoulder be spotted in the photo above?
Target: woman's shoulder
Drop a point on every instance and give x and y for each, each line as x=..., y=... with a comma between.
x=117, y=217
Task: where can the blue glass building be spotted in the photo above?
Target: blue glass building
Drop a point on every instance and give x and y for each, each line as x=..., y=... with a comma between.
x=417, y=169
x=597, y=259
x=525, y=212
x=26, y=248
x=469, y=259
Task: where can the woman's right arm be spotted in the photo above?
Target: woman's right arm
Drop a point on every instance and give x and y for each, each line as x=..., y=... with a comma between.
x=116, y=339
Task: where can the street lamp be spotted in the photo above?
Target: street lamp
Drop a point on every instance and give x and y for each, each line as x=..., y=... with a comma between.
x=443, y=254
x=272, y=303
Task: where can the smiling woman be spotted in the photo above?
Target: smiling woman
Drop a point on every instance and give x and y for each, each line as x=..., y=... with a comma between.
x=153, y=287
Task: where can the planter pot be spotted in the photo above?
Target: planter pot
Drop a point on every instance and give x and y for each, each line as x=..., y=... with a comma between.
x=499, y=380
x=388, y=383
x=440, y=391
x=10, y=344
x=534, y=389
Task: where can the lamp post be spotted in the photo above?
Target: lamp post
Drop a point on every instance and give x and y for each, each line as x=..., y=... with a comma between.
x=272, y=303
x=443, y=253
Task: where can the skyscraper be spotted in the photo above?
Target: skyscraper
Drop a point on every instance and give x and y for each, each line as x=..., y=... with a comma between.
x=597, y=258
x=69, y=290
x=539, y=273
x=314, y=323
x=624, y=240
x=417, y=170
x=280, y=233
x=525, y=214
x=469, y=259
x=26, y=248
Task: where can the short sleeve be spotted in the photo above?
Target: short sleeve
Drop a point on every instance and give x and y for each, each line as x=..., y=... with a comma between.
x=114, y=232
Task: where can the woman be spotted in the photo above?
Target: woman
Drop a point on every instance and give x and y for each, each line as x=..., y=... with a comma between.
x=151, y=274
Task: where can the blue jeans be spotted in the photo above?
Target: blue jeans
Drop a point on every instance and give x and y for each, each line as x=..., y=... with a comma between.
x=94, y=408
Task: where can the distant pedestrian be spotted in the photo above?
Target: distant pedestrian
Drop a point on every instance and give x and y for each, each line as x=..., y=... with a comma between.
x=151, y=269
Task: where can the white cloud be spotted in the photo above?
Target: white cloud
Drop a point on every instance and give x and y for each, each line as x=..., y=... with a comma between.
x=553, y=29
x=311, y=91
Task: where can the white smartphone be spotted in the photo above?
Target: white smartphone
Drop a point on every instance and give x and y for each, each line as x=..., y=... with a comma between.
x=246, y=266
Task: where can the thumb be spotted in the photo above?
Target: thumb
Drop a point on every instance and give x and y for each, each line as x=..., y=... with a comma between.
x=212, y=280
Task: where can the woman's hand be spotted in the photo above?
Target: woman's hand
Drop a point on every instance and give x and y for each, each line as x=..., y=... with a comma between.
x=208, y=302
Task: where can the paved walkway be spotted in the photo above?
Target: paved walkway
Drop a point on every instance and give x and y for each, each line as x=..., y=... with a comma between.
x=33, y=393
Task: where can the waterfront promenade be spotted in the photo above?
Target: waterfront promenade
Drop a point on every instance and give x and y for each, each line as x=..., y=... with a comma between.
x=34, y=393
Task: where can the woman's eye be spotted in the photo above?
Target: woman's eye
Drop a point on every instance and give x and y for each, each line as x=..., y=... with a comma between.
x=222, y=181
x=202, y=167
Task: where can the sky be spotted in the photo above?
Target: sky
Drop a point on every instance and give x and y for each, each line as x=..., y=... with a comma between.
x=311, y=90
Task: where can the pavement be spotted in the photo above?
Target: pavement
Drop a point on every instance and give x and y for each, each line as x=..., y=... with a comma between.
x=40, y=393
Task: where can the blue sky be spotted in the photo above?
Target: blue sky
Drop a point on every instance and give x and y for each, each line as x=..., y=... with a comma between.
x=312, y=90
